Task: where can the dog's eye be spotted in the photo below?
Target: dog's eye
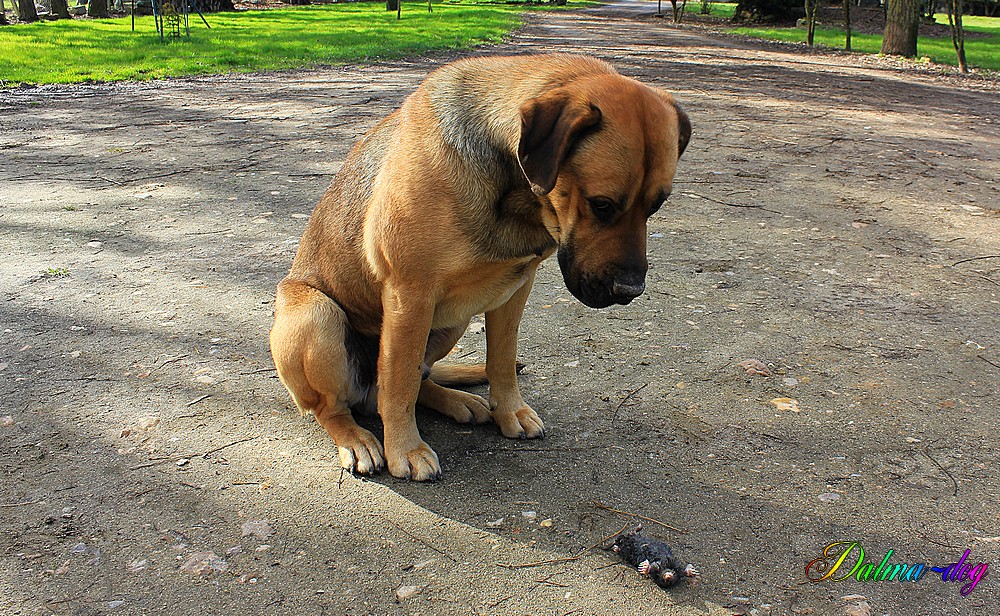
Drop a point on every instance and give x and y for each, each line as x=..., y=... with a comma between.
x=604, y=209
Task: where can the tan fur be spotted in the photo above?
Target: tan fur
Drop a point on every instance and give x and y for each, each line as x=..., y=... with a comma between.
x=444, y=211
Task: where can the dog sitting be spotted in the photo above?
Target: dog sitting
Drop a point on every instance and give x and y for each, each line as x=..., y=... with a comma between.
x=443, y=211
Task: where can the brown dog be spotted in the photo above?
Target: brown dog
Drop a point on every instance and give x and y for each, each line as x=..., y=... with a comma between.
x=444, y=211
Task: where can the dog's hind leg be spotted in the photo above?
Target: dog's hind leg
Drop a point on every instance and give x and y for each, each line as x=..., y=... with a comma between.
x=307, y=344
x=461, y=406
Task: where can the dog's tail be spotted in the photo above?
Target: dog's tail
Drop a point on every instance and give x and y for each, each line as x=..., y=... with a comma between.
x=458, y=374
x=462, y=374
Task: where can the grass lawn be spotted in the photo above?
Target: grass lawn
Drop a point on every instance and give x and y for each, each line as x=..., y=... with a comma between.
x=69, y=51
x=980, y=51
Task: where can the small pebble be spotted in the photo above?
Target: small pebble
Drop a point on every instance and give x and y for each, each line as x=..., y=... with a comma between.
x=258, y=528
x=405, y=592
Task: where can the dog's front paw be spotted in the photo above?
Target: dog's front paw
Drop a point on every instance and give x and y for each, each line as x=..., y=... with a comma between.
x=522, y=423
x=360, y=452
x=419, y=463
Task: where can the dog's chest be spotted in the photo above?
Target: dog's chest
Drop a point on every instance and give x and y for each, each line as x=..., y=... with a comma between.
x=482, y=290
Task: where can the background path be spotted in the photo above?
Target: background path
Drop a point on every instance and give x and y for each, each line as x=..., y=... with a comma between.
x=823, y=223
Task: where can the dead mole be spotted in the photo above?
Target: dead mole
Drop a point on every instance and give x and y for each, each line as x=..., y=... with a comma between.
x=653, y=558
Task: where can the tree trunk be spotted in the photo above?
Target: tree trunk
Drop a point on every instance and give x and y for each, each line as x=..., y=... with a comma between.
x=60, y=9
x=26, y=12
x=391, y=5
x=811, y=6
x=847, y=24
x=901, y=21
x=955, y=10
x=98, y=8
x=3, y=15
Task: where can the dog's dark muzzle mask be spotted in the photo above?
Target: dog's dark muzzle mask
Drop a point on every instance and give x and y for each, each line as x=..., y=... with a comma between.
x=613, y=285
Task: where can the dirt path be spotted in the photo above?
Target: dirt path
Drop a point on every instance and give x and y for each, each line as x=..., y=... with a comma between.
x=823, y=222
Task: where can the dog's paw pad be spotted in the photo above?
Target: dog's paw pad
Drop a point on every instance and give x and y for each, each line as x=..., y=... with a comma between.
x=522, y=423
x=362, y=455
x=418, y=464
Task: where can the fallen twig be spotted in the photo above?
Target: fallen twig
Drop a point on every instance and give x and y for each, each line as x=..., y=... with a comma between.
x=169, y=360
x=944, y=545
x=566, y=559
x=419, y=540
x=730, y=204
x=975, y=259
x=626, y=399
x=193, y=455
x=209, y=232
x=548, y=581
x=995, y=365
x=927, y=452
x=198, y=399
x=635, y=515
x=262, y=370
x=24, y=504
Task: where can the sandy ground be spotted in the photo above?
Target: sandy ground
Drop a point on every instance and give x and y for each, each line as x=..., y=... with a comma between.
x=824, y=222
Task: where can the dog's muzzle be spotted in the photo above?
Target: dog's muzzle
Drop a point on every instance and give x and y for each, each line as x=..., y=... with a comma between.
x=627, y=287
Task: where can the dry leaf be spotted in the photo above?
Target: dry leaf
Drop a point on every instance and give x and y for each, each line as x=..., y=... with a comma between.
x=204, y=563
x=755, y=366
x=786, y=404
x=860, y=607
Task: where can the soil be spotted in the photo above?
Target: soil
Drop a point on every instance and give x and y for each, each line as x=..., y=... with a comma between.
x=834, y=219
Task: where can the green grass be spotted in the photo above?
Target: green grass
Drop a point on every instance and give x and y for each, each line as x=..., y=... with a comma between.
x=980, y=51
x=719, y=9
x=72, y=51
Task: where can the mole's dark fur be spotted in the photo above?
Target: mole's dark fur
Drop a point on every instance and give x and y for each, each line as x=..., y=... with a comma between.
x=653, y=558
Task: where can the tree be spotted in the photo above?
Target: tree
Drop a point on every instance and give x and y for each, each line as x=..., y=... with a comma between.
x=811, y=6
x=98, y=8
x=60, y=9
x=955, y=9
x=26, y=12
x=3, y=15
x=847, y=24
x=678, y=15
x=901, y=22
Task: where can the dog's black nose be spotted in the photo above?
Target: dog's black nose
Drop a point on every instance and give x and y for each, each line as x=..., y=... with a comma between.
x=627, y=286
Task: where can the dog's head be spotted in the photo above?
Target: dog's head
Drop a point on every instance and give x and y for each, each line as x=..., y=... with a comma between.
x=603, y=151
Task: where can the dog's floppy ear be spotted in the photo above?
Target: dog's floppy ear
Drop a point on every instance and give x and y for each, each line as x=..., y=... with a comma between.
x=684, y=128
x=683, y=121
x=550, y=124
